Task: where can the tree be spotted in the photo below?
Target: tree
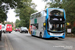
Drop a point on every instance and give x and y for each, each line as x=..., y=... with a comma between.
x=17, y=23
x=70, y=12
x=5, y=5
x=3, y=16
x=24, y=11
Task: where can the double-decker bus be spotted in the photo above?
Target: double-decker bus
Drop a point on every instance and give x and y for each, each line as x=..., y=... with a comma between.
x=49, y=23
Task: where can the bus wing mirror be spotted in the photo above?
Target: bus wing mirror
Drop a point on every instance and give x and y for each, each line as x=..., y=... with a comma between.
x=44, y=24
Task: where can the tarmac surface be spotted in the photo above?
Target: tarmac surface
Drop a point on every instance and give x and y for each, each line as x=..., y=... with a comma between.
x=24, y=41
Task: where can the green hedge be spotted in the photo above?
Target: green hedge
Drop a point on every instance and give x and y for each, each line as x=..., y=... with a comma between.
x=13, y=28
x=73, y=30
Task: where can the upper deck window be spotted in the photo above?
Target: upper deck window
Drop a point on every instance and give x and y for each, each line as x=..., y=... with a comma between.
x=38, y=14
x=56, y=12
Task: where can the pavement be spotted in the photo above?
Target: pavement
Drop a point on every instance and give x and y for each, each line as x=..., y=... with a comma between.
x=3, y=44
x=24, y=41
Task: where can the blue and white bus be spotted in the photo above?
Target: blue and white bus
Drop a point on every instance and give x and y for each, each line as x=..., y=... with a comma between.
x=49, y=23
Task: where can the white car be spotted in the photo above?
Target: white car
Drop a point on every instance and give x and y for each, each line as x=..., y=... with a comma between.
x=23, y=29
x=3, y=28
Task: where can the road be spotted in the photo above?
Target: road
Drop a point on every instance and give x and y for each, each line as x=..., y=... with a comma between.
x=24, y=41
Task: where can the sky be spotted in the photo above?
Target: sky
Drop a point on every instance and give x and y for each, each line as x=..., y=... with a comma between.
x=11, y=14
x=40, y=4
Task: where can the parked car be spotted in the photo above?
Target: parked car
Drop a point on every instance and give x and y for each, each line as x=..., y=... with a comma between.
x=23, y=29
x=17, y=29
x=3, y=28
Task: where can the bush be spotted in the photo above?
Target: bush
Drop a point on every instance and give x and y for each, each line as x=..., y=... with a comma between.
x=69, y=26
x=73, y=30
x=13, y=28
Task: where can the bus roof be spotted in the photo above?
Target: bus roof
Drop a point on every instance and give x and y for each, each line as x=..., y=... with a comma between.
x=37, y=12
